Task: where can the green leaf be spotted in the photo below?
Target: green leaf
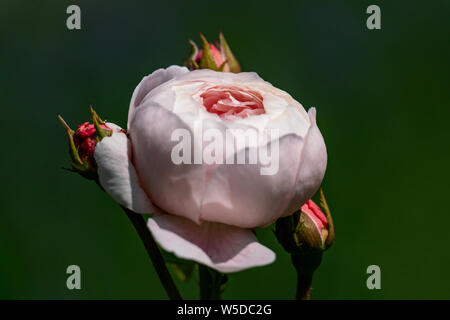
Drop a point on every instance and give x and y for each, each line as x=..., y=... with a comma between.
x=183, y=271
x=182, y=268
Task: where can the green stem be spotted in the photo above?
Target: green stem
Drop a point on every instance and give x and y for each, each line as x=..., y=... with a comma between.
x=304, y=283
x=155, y=255
x=211, y=282
x=305, y=265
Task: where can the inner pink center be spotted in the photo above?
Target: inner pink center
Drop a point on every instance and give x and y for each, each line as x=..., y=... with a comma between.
x=232, y=101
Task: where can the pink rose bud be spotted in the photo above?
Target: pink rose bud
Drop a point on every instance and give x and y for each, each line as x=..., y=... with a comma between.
x=85, y=139
x=316, y=215
x=215, y=53
x=308, y=228
x=82, y=143
x=215, y=57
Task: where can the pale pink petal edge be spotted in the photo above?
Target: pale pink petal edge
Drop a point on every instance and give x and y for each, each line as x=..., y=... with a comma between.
x=117, y=174
x=218, y=246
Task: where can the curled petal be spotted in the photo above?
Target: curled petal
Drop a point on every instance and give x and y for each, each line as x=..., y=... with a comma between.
x=117, y=174
x=218, y=246
x=313, y=164
x=150, y=82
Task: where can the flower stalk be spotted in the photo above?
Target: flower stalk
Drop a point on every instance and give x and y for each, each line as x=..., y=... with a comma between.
x=155, y=255
x=305, y=264
x=305, y=235
x=211, y=283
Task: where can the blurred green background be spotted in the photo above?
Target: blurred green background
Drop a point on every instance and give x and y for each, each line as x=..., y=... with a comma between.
x=383, y=107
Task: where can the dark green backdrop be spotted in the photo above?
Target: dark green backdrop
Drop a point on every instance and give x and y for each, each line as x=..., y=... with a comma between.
x=383, y=107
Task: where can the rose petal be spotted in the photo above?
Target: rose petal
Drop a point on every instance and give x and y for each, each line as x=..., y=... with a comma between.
x=176, y=188
x=312, y=166
x=221, y=247
x=150, y=82
x=239, y=195
x=117, y=174
x=223, y=77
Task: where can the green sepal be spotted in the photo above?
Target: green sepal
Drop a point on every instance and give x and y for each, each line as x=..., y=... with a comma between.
x=298, y=233
x=222, y=66
x=73, y=150
x=190, y=62
x=101, y=133
x=233, y=64
x=207, y=61
x=310, y=236
x=81, y=166
x=323, y=203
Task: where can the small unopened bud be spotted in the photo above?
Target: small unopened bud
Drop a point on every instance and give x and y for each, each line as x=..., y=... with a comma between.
x=307, y=229
x=215, y=57
x=85, y=139
x=306, y=235
x=82, y=144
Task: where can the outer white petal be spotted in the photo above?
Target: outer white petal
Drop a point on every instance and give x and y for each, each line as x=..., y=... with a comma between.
x=214, y=76
x=239, y=195
x=117, y=174
x=313, y=164
x=175, y=188
x=221, y=247
x=150, y=82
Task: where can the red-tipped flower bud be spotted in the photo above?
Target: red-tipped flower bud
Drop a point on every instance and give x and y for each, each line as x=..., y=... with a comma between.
x=308, y=228
x=82, y=144
x=85, y=139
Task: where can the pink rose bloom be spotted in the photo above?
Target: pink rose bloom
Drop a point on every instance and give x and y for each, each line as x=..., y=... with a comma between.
x=205, y=210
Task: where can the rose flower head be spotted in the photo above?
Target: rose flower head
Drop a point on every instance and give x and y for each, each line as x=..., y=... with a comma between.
x=213, y=155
